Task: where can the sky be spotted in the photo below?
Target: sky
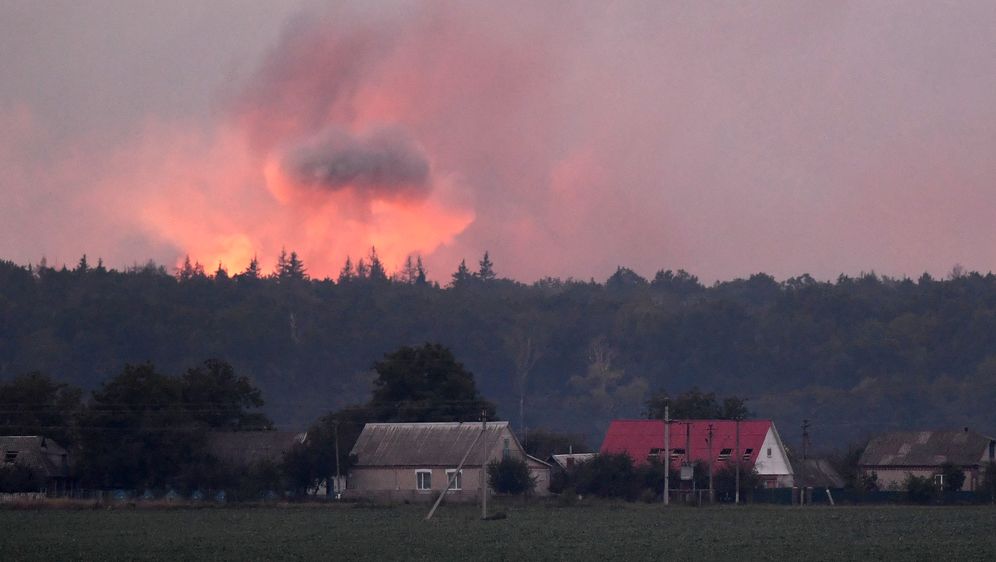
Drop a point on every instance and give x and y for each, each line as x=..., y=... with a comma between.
x=564, y=138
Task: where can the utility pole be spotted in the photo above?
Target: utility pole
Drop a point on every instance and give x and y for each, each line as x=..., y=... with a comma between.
x=338, y=476
x=667, y=453
x=456, y=474
x=805, y=439
x=736, y=499
x=688, y=454
x=484, y=465
x=712, y=496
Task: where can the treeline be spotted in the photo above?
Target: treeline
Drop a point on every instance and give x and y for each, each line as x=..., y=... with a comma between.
x=141, y=429
x=854, y=356
x=145, y=430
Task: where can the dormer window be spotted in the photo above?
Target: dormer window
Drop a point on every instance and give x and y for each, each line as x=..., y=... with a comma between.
x=725, y=454
x=747, y=454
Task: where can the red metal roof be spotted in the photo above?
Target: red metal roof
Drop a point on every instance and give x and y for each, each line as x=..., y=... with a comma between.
x=638, y=437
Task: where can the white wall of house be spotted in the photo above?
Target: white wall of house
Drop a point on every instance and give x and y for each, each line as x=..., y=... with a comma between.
x=397, y=483
x=772, y=460
x=894, y=478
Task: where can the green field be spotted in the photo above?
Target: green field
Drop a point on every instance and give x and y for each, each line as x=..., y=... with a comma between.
x=608, y=531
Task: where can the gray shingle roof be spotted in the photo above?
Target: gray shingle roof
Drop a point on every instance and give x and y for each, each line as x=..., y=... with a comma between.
x=244, y=448
x=425, y=444
x=817, y=473
x=926, y=448
x=37, y=452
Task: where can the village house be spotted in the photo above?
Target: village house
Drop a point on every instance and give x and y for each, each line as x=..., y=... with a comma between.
x=760, y=447
x=891, y=457
x=46, y=458
x=415, y=461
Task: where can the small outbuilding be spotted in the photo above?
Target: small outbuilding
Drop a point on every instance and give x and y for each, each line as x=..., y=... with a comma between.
x=816, y=473
x=568, y=461
x=415, y=461
x=894, y=456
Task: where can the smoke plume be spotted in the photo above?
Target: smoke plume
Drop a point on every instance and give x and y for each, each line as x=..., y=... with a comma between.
x=566, y=138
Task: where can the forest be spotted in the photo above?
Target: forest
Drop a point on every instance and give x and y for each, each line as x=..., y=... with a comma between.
x=854, y=356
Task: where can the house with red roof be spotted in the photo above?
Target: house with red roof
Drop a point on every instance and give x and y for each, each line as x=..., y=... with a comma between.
x=760, y=446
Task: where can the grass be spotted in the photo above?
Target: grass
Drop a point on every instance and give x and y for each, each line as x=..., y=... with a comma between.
x=534, y=532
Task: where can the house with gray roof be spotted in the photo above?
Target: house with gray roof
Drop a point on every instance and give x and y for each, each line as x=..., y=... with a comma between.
x=893, y=456
x=395, y=462
x=46, y=458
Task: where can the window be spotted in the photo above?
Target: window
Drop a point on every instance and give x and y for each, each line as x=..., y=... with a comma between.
x=505, y=451
x=677, y=453
x=457, y=482
x=9, y=456
x=769, y=452
x=725, y=454
x=747, y=454
x=423, y=480
x=654, y=453
x=939, y=480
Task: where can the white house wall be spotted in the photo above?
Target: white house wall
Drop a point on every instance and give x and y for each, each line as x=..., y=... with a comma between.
x=777, y=464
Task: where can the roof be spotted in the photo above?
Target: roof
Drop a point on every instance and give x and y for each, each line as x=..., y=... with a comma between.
x=926, y=448
x=37, y=452
x=424, y=444
x=245, y=448
x=641, y=438
x=575, y=458
x=818, y=473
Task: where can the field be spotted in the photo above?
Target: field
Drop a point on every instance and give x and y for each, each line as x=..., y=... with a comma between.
x=535, y=532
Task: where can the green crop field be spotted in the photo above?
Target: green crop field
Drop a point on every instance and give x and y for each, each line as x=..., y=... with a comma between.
x=535, y=532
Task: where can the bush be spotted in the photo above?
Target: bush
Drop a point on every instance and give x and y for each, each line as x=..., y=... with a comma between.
x=647, y=495
x=920, y=489
x=954, y=477
x=608, y=476
x=725, y=481
x=987, y=488
x=17, y=478
x=510, y=476
x=868, y=483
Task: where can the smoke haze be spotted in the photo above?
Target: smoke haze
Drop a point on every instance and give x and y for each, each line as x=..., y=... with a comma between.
x=566, y=138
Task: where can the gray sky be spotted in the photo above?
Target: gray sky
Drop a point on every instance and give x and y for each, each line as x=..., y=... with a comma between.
x=723, y=138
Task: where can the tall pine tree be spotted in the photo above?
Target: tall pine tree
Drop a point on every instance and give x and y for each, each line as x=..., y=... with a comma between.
x=486, y=271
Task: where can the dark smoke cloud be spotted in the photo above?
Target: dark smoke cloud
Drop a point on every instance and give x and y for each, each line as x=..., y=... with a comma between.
x=386, y=162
